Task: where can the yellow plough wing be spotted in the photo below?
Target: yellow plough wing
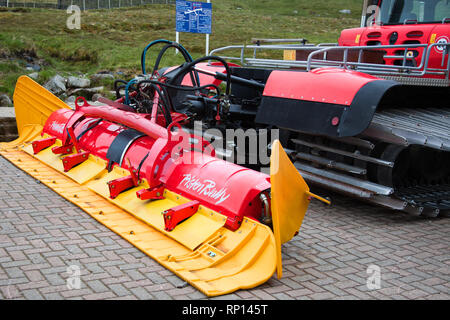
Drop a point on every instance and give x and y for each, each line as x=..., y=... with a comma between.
x=33, y=104
x=290, y=197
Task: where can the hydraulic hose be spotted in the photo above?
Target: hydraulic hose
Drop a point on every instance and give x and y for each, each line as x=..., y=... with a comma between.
x=182, y=88
x=194, y=76
x=127, y=88
x=184, y=69
x=166, y=105
x=117, y=88
x=185, y=53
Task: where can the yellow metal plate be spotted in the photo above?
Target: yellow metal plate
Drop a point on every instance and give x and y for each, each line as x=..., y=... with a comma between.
x=289, y=55
x=81, y=174
x=191, y=233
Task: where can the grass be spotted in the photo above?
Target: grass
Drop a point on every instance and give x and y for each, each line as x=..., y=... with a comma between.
x=113, y=39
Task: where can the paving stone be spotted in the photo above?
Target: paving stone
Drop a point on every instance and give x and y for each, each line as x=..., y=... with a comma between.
x=99, y=296
x=141, y=293
x=53, y=296
x=119, y=289
x=32, y=294
x=322, y=296
x=71, y=293
x=41, y=235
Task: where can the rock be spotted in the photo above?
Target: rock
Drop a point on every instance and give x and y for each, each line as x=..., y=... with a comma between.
x=7, y=112
x=101, y=76
x=34, y=75
x=71, y=99
x=33, y=67
x=5, y=101
x=95, y=96
x=56, y=85
x=86, y=92
x=62, y=96
x=122, y=93
x=8, y=127
x=75, y=82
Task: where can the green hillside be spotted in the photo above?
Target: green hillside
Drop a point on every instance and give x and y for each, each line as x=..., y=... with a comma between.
x=113, y=39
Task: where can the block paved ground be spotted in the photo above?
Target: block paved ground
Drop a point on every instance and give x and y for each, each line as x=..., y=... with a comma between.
x=41, y=235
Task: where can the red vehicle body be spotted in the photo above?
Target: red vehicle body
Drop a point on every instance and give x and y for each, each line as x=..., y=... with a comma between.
x=404, y=22
x=368, y=115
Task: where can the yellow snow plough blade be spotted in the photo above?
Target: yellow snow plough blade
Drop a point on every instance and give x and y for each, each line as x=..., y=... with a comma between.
x=200, y=250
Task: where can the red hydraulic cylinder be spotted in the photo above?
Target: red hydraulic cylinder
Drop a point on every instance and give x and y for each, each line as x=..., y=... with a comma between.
x=137, y=121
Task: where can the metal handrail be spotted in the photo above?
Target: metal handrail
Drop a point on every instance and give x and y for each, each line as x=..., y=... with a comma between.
x=346, y=49
x=373, y=68
x=241, y=58
x=420, y=70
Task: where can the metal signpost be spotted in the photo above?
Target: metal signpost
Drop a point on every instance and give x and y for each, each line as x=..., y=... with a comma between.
x=194, y=17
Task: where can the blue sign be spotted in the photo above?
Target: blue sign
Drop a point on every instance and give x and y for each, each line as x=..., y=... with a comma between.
x=194, y=17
